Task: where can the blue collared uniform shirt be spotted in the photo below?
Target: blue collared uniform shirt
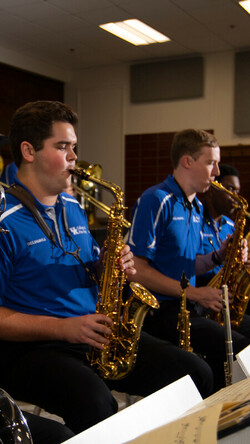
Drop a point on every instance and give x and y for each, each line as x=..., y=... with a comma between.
x=213, y=233
x=166, y=229
x=38, y=277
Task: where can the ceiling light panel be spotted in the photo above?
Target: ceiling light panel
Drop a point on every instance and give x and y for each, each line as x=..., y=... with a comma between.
x=246, y=5
x=134, y=31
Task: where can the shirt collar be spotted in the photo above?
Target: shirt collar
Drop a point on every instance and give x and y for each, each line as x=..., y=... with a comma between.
x=59, y=204
x=180, y=195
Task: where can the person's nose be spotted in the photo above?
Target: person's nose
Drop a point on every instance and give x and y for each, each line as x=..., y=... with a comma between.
x=216, y=170
x=71, y=155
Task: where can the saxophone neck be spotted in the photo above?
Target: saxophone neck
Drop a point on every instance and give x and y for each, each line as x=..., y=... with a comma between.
x=83, y=174
x=241, y=202
x=118, y=207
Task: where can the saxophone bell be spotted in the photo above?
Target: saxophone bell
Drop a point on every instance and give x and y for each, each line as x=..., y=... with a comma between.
x=118, y=358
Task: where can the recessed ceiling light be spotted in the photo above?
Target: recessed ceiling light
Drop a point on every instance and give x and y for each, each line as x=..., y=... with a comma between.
x=246, y=5
x=134, y=31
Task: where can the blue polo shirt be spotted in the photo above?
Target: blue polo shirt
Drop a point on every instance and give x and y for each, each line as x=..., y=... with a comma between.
x=9, y=174
x=166, y=229
x=38, y=277
x=213, y=233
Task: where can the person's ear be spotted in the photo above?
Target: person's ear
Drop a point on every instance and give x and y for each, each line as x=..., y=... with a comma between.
x=27, y=151
x=186, y=161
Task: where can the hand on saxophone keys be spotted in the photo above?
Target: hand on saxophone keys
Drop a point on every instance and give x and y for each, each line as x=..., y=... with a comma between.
x=221, y=253
x=126, y=261
x=208, y=297
x=93, y=329
x=244, y=251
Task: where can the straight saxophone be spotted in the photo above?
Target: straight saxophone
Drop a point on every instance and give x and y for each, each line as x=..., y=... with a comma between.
x=183, y=325
x=117, y=358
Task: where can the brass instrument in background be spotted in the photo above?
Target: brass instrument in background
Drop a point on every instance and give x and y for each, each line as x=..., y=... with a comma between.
x=183, y=325
x=234, y=274
x=82, y=193
x=117, y=358
x=1, y=165
x=13, y=425
x=87, y=192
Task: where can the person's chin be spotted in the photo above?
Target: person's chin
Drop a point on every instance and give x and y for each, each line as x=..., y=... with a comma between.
x=205, y=188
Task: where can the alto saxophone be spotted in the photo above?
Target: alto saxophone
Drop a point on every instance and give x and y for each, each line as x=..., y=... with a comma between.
x=234, y=274
x=183, y=325
x=117, y=358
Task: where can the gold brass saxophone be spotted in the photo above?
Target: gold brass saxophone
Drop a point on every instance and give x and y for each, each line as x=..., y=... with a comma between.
x=117, y=358
x=234, y=274
x=183, y=325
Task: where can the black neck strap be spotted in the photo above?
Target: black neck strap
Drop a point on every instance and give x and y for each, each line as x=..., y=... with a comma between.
x=28, y=200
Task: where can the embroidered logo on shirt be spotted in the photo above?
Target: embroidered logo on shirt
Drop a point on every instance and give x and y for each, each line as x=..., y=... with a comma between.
x=196, y=219
x=78, y=230
x=36, y=241
x=178, y=218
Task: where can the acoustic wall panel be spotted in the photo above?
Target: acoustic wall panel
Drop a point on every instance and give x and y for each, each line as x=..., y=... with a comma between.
x=167, y=80
x=242, y=93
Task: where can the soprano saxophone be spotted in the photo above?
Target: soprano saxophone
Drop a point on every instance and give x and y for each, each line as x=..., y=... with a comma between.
x=117, y=358
x=234, y=274
x=183, y=325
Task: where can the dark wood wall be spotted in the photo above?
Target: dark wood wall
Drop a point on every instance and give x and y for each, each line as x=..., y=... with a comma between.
x=147, y=162
x=18, y=87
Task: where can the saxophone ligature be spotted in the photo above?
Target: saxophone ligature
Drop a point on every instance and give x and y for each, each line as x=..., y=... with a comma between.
x=183, y=325
x=234, y=274
x=117, y=358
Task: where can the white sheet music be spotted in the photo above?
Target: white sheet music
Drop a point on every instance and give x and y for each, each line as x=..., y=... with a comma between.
x=174, y=415
x=199, y=425
x=243, y=358
x=147, y=414
x=198, y=428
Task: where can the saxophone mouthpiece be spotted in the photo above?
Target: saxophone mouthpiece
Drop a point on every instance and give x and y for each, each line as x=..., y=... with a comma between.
x=81, y=173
